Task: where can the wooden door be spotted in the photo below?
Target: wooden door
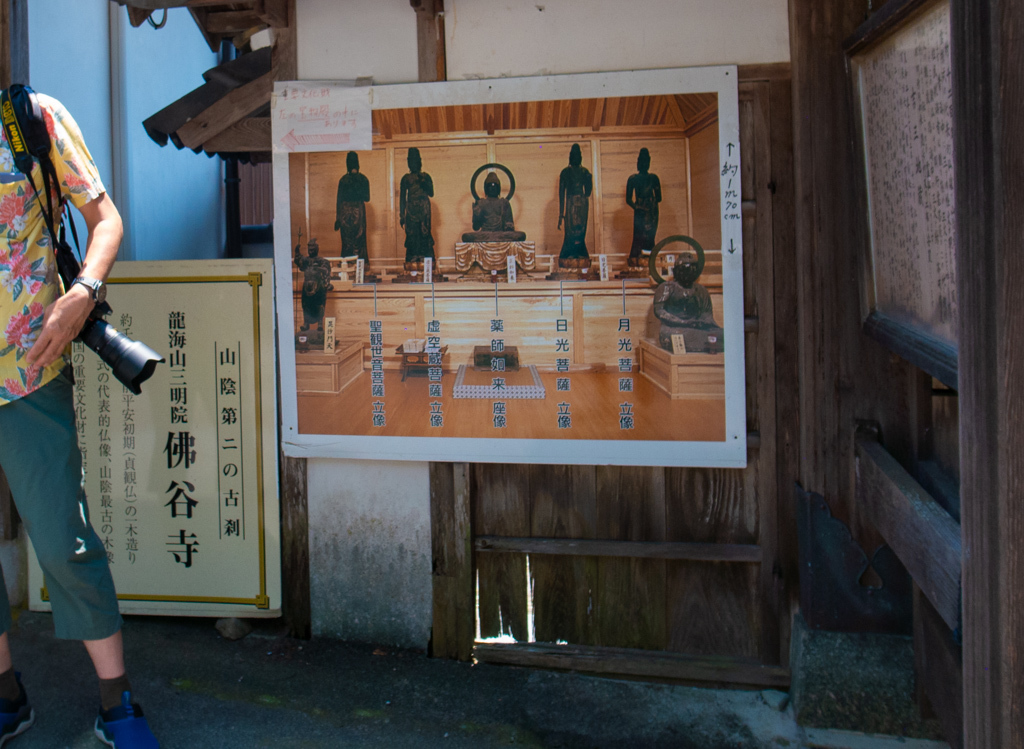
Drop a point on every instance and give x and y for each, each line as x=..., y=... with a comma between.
x=651, y=572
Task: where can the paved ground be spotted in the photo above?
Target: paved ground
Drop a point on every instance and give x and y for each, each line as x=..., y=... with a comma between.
x=201, y=690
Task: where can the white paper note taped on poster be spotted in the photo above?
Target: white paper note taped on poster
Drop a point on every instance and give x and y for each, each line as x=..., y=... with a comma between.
x=181, y=480
x=321, y=116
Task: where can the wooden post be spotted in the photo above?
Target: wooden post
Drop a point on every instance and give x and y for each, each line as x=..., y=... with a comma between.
x=454, y=626
x=987, y=50
x=430, y=39
x=295, y=546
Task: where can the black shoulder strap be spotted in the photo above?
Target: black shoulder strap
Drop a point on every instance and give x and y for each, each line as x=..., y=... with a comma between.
x=29, y=141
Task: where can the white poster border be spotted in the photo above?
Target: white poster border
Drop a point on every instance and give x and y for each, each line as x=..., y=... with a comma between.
x=729, y=453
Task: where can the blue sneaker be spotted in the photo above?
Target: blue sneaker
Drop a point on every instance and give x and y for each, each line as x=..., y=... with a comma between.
x=16, y=716
x=123, y=727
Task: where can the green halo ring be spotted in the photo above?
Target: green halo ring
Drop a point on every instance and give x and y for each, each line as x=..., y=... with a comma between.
x=502, y=167
x=652, y=263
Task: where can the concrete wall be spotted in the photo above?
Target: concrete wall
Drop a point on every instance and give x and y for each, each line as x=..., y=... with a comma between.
x=370, y=522
x=369, y=554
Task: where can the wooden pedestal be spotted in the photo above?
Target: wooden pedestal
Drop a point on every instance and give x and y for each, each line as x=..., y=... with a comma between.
x=683, y=375
x=328, y=374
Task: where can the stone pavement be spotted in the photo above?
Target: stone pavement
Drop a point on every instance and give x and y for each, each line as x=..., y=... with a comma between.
x=266, y=690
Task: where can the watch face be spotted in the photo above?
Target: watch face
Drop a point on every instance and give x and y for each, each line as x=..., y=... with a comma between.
x=100, y=293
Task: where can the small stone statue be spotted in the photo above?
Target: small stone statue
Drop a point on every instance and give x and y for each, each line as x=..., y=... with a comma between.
x=683, y=307
x=643, y=193
x=492, y=215
x=350, y=218
x=316, y=282
x=415, y=192
x=575, y=184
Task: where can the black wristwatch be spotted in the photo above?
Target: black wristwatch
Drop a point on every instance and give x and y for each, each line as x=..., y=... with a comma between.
x=97, y=289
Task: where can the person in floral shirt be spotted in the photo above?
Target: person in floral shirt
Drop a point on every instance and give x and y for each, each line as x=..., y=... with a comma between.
x=38, y=442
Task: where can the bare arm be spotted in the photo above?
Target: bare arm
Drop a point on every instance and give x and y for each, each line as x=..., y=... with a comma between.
x=64, y=318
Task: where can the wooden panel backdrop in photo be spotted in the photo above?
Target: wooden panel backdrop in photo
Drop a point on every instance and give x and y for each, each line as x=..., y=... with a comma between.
x=676, y=573
x=670, y=162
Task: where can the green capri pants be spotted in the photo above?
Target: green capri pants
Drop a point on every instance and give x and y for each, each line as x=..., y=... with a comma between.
x=40, y=456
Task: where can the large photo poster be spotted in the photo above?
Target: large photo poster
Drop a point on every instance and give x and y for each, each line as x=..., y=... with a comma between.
x=542, y=270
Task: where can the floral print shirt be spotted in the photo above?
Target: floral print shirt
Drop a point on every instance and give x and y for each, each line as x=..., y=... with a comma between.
x=28, y=272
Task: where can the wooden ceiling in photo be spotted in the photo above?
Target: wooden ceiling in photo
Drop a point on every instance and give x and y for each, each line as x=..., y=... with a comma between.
x=685, y=112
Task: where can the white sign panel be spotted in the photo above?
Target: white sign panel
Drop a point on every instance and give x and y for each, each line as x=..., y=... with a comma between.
x=313, y=116
x=182, y=479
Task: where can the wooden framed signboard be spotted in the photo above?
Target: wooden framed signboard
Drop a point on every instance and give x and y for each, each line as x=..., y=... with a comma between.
x=182, y=479
x=474, y=269
x=901, y=76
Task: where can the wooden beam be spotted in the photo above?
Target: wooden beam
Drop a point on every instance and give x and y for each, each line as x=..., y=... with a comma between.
x=284, y=53
x=430, y=41
x=454, y=599
x=235, y=105
x=772, y=71
x=232, y=21
x=631, y=549
x=987, y=53
x=199, y=16
x=938, y=670
x=704, y=118
x=13, y=42
x=274, y=13
x=295, y=546
x=924, y=536
x=248, y=134
x=631, y=663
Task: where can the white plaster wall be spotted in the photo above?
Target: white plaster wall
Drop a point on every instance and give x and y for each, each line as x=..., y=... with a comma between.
x=369, y=551
x=356, y=38
x=369, y=522
x=489, y=39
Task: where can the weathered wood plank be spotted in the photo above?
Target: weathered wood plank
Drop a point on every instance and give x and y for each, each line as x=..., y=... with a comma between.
x=710, y=505
x=285, y=50
x=295, y=546
x=786, y=351
x=638, y=663
x=987, y=52
x=248, y=134
x=230, y=22
x=714, y=609
x=501, y=505
x=235, y=105
x=772, y=71
x=450, y=532
x=631, y=592
x=760, y=347
x=938, y=669
x=564, y=506
x=923, y=535
x=632, y=549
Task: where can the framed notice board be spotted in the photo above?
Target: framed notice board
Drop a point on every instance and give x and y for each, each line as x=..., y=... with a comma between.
x=546, y=343
x=901, y=76
x=182, y=479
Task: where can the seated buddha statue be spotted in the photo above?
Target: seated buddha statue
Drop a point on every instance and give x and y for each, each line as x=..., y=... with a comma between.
x=683, y=307
x=492, y=216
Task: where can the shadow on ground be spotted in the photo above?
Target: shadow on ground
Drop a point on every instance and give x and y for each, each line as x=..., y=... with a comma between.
x=200, y=690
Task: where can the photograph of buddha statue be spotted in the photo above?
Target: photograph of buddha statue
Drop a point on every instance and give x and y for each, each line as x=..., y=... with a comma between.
x=643, y=193
x=575, y=183
x=683, y=307
x=350, y=215
x=415, y=192
x=492, y=216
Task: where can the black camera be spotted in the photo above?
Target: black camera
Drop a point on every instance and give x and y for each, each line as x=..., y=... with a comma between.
x=132, y=362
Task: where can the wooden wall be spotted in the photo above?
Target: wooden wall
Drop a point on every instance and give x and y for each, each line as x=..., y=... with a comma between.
x=690, y=201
